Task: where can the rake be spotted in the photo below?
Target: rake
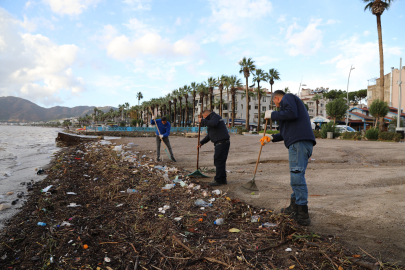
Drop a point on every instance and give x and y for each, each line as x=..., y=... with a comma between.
x=198, y=173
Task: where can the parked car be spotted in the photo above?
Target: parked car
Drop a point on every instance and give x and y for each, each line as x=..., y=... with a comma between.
x=344, y=128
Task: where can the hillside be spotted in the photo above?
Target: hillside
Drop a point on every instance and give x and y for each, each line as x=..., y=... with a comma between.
x=14, y=109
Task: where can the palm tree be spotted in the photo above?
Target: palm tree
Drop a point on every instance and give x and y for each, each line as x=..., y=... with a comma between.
x=234, y=84
x=169, y=101
x=377, y=7
x=202, y=90
x=316, y=98
x=287, y=90
x=212, y=82
x=271, y=77
x=186, y=92
x=259, y=75
x=139, y=96
x=221, y=81
x=194, y=93
x=175, y=94
x=180, y=95
x=246, y=66
x=225, y=82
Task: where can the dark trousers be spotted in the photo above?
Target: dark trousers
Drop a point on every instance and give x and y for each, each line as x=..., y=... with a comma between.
x=167, y=142
x=220, y=157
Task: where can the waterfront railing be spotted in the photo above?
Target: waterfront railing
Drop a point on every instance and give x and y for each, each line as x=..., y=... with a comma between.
x=152, y=129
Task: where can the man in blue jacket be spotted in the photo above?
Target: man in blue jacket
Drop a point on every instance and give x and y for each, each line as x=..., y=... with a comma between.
x=218, y=134
x=164, y=128
x=296, y=132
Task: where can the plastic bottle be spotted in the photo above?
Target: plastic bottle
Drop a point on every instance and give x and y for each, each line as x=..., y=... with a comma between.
x=130, y=190
x=169, y=186
x=219, y=221
x=41, y=224
x=201, y=202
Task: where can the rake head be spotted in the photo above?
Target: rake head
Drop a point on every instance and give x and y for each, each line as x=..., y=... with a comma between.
x=197, y=173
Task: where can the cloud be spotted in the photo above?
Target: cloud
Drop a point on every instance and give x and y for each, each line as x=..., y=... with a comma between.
x=33, y=24
x=145, y=42
x=264, y=60
x=281, y=18
x=138, y=4
x=305, y=42
x=232, y=19
x=366, y=33
x=33, y=67
x=71, y=7
x=178, y=21
x=332, y=21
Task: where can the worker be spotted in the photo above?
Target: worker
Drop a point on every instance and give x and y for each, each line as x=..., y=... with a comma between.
x=218, y=134
x=162, y=134
x=298, y=137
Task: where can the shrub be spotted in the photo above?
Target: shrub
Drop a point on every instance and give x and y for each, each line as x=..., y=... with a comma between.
x=270, y=131
x=372, y=134
x=317, y=133
x=122, y=124
x=328, y=127
x=389, y=136
x=134, y=122
x=351, y=135
x=241, y=129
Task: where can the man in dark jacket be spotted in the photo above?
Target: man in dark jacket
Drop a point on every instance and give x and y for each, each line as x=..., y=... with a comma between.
x=162, y=135
x=218, y=134
x=298, y=137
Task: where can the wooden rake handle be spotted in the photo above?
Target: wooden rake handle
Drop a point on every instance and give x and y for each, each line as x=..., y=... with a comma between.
x=261, y=146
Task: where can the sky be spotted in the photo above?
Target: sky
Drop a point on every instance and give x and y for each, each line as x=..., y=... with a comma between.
x=102, y=52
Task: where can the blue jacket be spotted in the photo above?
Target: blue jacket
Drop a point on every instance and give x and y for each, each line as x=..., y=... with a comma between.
x=293, y=120
x=216, y=129
x=164, y=129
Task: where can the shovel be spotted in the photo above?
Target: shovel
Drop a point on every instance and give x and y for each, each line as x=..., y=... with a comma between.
x=251, y=185
x=197, y=173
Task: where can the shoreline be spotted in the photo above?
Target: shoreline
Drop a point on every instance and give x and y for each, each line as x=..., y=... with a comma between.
x=101, y=226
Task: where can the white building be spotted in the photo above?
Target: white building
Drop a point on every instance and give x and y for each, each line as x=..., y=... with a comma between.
x=306, y=95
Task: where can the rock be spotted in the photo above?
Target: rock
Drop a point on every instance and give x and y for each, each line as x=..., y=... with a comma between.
x=10, y=193
x=20, y=194
x=14, y=202
x=4, y=206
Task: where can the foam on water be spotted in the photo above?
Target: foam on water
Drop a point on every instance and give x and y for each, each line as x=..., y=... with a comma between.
x=22, y=150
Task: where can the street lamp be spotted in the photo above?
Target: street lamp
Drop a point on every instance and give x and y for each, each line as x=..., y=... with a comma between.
x=347, y=115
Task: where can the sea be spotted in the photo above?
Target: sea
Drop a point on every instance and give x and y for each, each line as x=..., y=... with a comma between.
x=23, y=151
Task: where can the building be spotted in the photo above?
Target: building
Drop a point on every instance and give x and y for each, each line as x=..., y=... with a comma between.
x=391, y=89
x=306, y=95
x=240, y=106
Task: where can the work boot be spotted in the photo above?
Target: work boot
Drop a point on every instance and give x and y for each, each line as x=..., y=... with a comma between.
x=291, y=209
x=173, y=159
x=302, y=216
x=215, y=183
x=158, y=159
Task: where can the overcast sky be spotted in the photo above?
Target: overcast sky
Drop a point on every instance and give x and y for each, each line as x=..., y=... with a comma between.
x=101, y=52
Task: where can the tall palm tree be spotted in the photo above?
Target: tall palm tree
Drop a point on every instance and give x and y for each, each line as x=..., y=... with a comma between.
x=271, y=77
x=221, y=81
x=194, y=93
x=246, y=67
x=175, y=94
x=139, y=96
x=212, y=82
x=377, y=7
x=186, y=92
x=259, y=76
x=316, y=98
x=225, y=82
x=202, y=91
x=180, y=99
x=169, y=97
x=234, y=84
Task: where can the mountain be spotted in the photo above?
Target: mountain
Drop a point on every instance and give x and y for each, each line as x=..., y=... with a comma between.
x=14, y=109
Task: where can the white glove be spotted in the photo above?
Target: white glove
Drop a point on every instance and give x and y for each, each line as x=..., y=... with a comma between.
x=153, y=117
x=267, y=115
x=266, y=139
x=161, y=137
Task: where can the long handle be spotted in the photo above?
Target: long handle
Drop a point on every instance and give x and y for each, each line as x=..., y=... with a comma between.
x=161, y=139
x=198, y=148
x=261, y=146
x=155, y=122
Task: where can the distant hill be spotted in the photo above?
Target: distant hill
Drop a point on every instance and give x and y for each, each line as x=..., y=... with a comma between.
x=14, y=109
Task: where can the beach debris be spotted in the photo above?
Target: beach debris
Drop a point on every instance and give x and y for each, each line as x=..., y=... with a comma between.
x=71, y=193
x=40, y=171
x=47, y=188
x=10, y=193
x=216, y=192
x=4, y=206
x=14, y=202
x=73, y=205
x=169, y=186
x=41, y=224
x=201, y=202
x=219, y=221
x=288, y=249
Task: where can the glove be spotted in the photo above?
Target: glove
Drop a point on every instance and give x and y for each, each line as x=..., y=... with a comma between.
x=161, y=137
x=266, y=139
x=153, y=117
x=267, y=115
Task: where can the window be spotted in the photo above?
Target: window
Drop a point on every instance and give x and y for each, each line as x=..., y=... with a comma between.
x=321, y=112
x=250, y=107
x=321, y=104
x=256, y=107
x=264, y=99
x=263, y=108
x=241, y=106
x=236, y=97
x=254, y=98
x=255, y=116
x=269, y=107
x=311, y=111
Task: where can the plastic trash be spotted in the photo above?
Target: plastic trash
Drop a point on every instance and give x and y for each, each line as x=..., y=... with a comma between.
x=182, y=184
x=212, y=200
x=197, y=187
x=201, y=202
x=159, y=168
x=46, y=189
x=65, y=223
x=177, y=218
x=255, y=219
x=288, y=249
x=130, y=190
x=41, y=224
x=219, y=221
x=163, y=209
x=73, y=205
x=169, y=186
x=166, y=177
x=118, y=148
x=216, y=192
x=71, y=193
x=268, y=224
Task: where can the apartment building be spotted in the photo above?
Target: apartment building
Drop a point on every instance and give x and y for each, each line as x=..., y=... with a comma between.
x=240, y=105
x=307, y=95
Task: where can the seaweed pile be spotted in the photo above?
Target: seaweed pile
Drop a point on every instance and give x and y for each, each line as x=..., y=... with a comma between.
x=110, y=207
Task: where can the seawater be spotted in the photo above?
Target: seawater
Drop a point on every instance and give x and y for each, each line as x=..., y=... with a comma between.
x=23, y=150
